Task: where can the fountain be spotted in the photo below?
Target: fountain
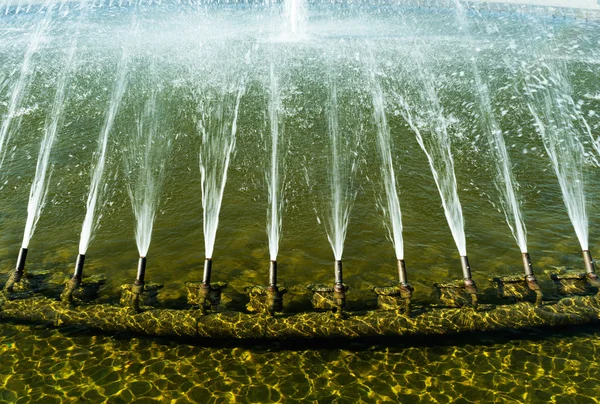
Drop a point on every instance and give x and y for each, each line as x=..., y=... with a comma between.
x=39, y=186
x=366, y=107
x=504, y=180
x=387, y=297
x=270, y=299
x=426, y=118
x=217, y=126
x=90, y=222
x=552, y=108
x=145, y=165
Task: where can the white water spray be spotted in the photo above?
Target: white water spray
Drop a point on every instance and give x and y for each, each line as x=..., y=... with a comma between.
x=504, y=181
x=18, y=89
x=384, y=143
x=89, y=223
x=39, y=187
x=217, y=127
x=145, y=165
x=426, y=119
x=343, y=169
x=562, y=143
x=273, y=175
x=295, y=17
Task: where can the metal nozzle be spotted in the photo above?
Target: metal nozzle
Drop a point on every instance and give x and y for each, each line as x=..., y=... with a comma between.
x=20, y=268
x=79, y=266
x=337, y=265
x=141, y=271
x=273, y=273
x=402, y=272
x=527, y=264
x=207, y=271
x=590, y=266
x=466, y=268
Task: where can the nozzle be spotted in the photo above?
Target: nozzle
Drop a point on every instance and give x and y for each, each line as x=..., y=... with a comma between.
x=273, y=273
x=590, y=266
x=74, y=283
x=466, y=268
x=207, y=271
x=141, y=271
x=337, y=265
x=79, y=267
x=402, y=272
x=527, y=264
x=20, y=268
x=16, y=276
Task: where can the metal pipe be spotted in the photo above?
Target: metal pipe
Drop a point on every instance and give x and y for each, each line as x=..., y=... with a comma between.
x=402, y=272
x=337, y=265
x=590, y=266
x=527, y=264
x=273, y=273
x=207, y=271
x=79, y=267
x=141, y=271
x=466, y=268
x=20, y=268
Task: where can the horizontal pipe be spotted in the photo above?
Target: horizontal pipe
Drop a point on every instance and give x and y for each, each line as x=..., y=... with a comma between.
x=337, y=265
x=207, y=271
x=527, y=264
x=273, y=273
x=402, y=272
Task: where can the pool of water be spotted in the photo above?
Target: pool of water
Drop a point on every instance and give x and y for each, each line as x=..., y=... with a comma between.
x=188, y=56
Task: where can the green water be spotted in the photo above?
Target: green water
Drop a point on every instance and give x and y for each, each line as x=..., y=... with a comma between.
x=190, y=53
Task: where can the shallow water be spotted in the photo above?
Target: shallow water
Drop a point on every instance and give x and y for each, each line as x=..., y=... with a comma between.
x=45, y=365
